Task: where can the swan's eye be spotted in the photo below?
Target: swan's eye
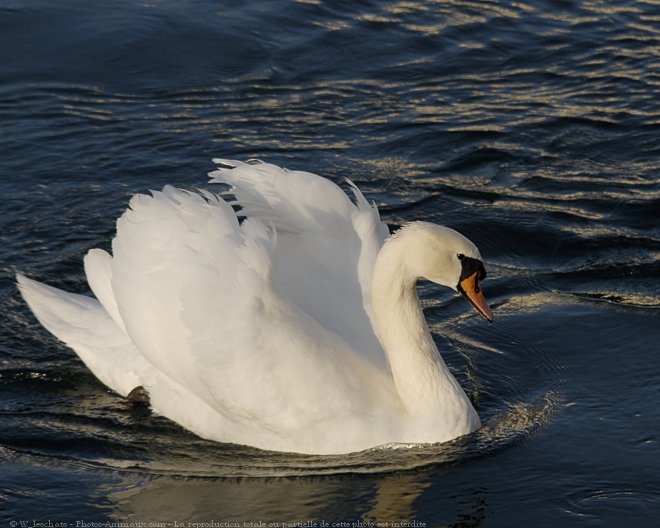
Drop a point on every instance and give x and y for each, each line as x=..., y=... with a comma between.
x=461, y=256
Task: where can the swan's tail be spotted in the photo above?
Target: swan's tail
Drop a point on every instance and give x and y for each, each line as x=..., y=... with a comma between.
x=65, y=315
x=84, y=325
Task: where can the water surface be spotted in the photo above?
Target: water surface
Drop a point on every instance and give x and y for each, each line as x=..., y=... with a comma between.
x=531, y=127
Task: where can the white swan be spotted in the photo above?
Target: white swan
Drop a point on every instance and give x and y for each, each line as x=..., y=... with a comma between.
x=298, y=329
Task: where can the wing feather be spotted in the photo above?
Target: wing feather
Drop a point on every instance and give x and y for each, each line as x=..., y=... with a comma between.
x=326, y=249
x=197, y=293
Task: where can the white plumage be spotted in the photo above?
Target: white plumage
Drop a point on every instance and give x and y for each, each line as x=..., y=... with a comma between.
x=296, y=329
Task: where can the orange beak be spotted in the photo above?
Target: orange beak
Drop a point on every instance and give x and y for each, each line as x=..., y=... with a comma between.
x=470, y=289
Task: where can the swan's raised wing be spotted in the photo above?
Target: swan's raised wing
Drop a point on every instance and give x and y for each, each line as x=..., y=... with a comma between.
x=195, y=292
x=326, y=248
x=240, y=332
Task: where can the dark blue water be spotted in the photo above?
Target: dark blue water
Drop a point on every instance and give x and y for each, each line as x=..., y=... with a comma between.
x=532, y=127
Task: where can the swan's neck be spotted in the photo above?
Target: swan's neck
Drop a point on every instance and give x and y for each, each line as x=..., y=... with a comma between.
x=423, y=381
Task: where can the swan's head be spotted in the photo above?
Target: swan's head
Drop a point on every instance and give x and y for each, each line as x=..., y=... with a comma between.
x=446, y=257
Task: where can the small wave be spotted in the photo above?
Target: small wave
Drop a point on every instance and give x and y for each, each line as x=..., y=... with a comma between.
x=176, y=453
x=607, y=500
x=638, y=300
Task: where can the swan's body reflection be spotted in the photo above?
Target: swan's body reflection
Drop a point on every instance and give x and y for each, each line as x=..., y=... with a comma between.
x=389, y=499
